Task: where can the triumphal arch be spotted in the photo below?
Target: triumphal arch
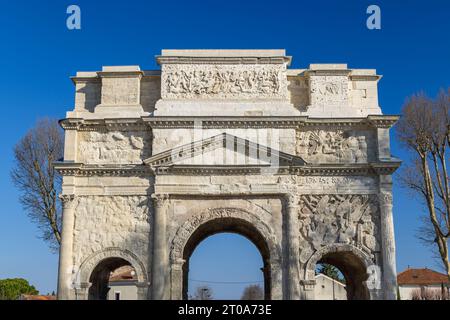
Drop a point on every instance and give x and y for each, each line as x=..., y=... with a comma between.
x=296, y=160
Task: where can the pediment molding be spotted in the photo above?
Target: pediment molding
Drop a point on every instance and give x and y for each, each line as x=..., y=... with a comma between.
x=227, y=141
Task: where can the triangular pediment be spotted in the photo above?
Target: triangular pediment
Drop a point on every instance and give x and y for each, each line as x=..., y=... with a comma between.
x=223, y=150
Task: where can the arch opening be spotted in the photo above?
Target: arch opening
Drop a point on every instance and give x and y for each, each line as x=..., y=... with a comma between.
x=330, y=283
x=113, y=279
x=227, y=225
x=353, y=270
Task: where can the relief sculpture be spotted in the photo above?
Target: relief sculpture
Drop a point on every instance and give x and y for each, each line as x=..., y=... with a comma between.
x=347, y=219
x=113, y=147
x=223, y=82
x=332, y=146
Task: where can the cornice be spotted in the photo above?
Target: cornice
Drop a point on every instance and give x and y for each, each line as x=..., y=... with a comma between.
x=306, y=170
x=285, y=122
x=293, y=122
x=120, y=74
x=328, y=72
x=222, y=60
x=125, y=124
x=386, y=167
x=83, y=170
x=365, y=77
x=382, y=121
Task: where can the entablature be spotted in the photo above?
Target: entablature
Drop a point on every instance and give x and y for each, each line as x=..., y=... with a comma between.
x=216, y=122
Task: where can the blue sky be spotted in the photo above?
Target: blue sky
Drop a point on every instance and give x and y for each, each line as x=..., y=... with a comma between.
x=38, y=54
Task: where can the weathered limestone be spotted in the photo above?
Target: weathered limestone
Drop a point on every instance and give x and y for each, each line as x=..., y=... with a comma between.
x=160, y=269
x=66, y=249
x=296, y=160
x=388, y=239
x=293, y=281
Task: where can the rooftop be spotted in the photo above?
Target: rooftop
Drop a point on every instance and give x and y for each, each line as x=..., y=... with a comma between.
x=423, y=276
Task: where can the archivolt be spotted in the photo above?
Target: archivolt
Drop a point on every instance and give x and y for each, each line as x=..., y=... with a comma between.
x=186, y=230
x=94, y=259
x=335, y=248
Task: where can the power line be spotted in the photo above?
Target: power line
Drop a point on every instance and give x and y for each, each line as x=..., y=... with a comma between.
x=225, y=282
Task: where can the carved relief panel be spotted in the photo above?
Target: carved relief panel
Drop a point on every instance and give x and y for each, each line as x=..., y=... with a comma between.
x=114, y=147
x=335, y=146
x=112, y=221
x=336, y=218
x=183, y=81
x=329, y=90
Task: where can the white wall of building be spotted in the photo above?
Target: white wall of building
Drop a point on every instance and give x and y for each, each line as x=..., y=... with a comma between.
x=329, y=289
x=125, y=290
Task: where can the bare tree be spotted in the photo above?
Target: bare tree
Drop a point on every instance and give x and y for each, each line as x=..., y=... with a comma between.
x=424, y=129
x=203, y=293
x=253, y=292
x=35, y=177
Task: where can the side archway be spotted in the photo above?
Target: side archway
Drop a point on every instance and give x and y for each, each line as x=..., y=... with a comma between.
x=94, y=270
x=351, y=261
x=213, y=221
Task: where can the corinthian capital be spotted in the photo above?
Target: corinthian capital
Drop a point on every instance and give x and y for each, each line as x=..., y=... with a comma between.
x=159, y=199
x=386, y=198
x=67, y=200
x=291, y=200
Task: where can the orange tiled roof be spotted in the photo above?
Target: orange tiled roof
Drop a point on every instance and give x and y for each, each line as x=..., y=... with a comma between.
x=421, y=277
x=125, y=273
x=36, y=297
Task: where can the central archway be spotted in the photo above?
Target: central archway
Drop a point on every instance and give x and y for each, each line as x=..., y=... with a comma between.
x=220, y=220
x=229, y=225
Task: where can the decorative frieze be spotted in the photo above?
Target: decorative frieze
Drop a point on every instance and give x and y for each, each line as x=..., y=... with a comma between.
x=185, y=81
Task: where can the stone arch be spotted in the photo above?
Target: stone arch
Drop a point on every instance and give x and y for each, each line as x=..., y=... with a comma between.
x=90, y=264
x=351, y=261
x=217, y=220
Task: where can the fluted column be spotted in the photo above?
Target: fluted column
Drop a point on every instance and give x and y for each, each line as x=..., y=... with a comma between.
x=292, y=256
x=160, y=259
x=389, y=280
x=65, y=266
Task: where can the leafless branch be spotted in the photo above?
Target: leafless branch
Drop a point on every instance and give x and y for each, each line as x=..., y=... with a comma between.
x=34, y=175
